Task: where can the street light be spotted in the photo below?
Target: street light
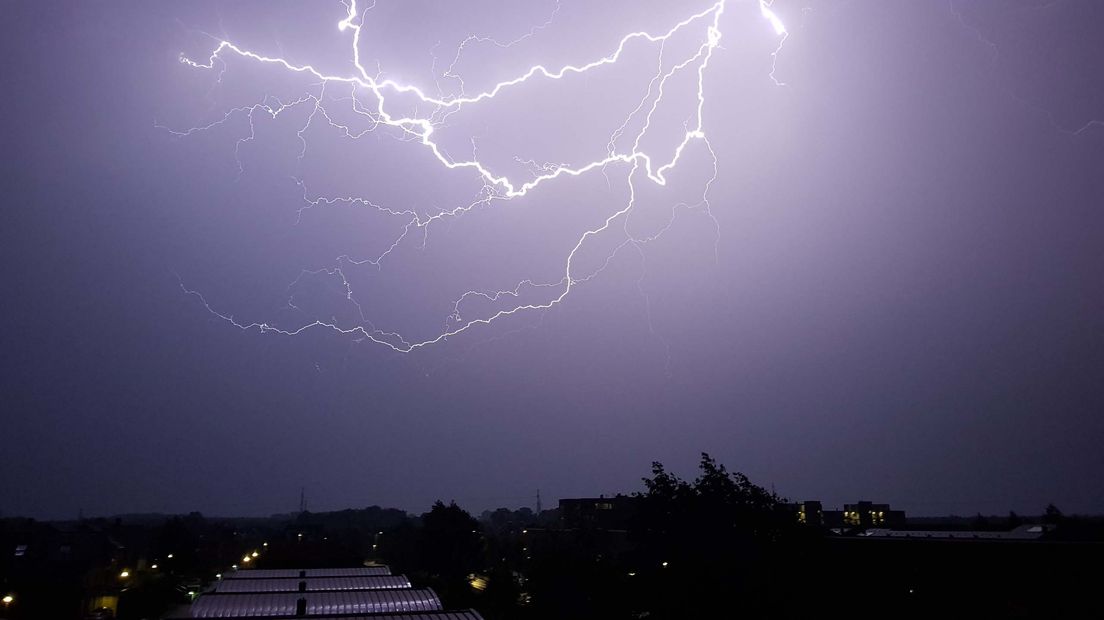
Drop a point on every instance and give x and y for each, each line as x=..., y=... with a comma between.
x=8, y=600
x=124, y=574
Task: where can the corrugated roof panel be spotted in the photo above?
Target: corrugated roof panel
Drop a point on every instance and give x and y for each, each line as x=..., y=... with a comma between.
x=469, y=614
x=463, y=615
x=261, y=574
x=318, y=603
x=360, y=571
x=313, y=584
x=244, y=606
x=294, y=573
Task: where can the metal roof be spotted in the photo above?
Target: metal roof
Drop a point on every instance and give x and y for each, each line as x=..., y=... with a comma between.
x=1020, y=533
x=467, y=614
x=297, y=573
x=283, y=604
x=313, y=584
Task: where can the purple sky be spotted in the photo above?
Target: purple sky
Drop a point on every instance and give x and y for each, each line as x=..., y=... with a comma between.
x=895, y=293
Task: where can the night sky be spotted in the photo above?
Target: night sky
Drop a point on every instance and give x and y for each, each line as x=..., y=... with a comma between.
x=895, y=293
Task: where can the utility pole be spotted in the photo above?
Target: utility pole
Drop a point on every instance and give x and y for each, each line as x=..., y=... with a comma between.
x=538, y=502
x=302, y=500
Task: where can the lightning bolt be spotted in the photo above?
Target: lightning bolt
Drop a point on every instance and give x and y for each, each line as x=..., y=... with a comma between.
x=371, y=98
x=995, y=58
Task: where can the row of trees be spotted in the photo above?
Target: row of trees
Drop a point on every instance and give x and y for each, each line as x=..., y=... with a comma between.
x=689, y=542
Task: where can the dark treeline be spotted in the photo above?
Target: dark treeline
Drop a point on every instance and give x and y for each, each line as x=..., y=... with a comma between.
x=716, y=544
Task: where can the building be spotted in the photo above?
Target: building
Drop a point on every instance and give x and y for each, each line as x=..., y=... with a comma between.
x=860, y=515
x=321, y=594
x=312, y=604
x=309, y=573
x=1023, y=532
x=312, y=584
x=808, y=513
x=602, y=513
x=866, y=515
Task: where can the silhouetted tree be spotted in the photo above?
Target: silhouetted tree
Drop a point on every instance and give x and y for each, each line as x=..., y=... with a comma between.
x=721, y=533
x=451, y=540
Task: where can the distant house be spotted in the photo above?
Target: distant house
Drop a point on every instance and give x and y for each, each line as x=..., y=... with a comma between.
x=860, y=515
x=603, y=513
x=865, y=515
x=810, y=513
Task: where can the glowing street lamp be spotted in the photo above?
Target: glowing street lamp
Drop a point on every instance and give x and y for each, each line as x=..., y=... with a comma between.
x=255, y=554
x=124, y=574
x=8, y=600
x=246, y=560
